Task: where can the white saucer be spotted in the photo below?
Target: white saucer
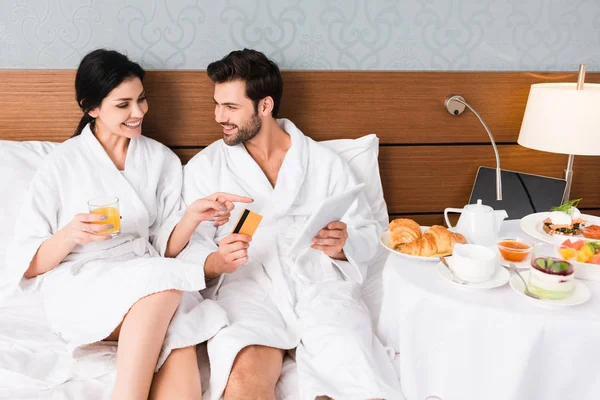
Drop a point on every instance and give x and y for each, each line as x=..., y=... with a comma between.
x=581, y=294
x=499, y=278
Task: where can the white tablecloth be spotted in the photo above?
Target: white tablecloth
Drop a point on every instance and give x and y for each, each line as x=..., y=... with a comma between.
x=458, y=343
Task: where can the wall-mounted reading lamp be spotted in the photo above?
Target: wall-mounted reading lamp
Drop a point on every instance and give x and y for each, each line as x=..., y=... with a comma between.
x=456, y=105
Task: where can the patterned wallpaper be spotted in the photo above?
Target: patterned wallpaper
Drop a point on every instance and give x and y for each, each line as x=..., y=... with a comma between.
x=308, y=34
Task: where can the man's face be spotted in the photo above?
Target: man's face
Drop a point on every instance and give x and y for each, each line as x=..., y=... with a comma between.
x=235, y=113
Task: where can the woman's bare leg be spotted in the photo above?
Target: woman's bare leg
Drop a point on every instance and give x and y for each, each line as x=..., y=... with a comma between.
x=179, y=377
x=141, y=336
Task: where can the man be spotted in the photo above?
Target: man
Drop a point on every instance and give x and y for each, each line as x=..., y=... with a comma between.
x=309, y=301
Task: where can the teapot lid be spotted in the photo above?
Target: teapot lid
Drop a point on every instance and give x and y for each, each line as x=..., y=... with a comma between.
x=479, y=207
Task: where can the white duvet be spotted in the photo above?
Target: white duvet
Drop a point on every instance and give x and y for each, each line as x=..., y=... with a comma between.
x=36, y=364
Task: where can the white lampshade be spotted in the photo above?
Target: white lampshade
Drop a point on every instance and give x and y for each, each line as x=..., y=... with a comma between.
x=560, y=119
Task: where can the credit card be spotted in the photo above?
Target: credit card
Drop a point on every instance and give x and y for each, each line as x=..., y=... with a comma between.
x=247, y=223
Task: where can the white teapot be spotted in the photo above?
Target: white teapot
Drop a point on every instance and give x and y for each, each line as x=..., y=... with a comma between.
x=478, y=223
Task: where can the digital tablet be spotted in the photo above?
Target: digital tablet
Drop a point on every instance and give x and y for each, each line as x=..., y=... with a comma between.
x=331, y=209
x=523, y=194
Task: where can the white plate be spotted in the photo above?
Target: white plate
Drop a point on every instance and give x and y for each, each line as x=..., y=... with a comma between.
x=499, y=278
x=384, y=239
x=532, y=225
x=581, y=294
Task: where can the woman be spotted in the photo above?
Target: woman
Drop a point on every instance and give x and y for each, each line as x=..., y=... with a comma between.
x=99, y=286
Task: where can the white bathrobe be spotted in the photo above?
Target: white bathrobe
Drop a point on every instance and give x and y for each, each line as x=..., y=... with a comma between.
x=309, y=301
x=89, y=293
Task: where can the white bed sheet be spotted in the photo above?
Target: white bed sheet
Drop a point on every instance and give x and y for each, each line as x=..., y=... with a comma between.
x=35, y=364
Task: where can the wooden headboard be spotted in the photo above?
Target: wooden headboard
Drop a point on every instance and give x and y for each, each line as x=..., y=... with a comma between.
x=428, y=158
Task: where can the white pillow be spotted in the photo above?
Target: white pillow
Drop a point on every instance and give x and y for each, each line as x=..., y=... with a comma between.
x=361, y=154
x=18, y=163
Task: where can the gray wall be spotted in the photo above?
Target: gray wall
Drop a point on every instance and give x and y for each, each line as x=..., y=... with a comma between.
x=552, y=35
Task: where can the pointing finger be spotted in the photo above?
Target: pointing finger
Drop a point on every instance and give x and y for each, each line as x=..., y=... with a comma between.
x=222, y=197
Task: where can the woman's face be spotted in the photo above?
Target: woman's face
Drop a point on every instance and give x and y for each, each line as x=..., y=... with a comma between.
x=122, y=111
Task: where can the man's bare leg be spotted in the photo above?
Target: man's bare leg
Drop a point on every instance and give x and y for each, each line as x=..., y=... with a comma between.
x=254, y=374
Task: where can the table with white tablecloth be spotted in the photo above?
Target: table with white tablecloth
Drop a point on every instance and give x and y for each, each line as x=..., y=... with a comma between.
x=460, y=343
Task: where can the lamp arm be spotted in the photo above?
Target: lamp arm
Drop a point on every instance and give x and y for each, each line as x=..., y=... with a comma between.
x=498, y=170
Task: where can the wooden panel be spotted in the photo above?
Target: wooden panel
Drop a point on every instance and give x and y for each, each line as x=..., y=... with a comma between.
x=428, y=157
x=181, y=108
x=186, y=154
x=408, y=107
x=401, y=107
x=425, y=179
x=37, y=105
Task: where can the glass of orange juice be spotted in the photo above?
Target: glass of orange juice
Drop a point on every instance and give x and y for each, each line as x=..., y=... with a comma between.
x=109, y=206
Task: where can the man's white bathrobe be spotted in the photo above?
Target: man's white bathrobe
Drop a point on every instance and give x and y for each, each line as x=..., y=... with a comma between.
x=311, y=302
x=89, y=293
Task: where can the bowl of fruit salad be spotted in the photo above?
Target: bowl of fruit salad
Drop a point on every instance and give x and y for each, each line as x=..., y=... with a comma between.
x=552, y=274
x=587, y=262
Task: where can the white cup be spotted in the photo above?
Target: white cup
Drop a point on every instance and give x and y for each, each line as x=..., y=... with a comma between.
x=472, y=262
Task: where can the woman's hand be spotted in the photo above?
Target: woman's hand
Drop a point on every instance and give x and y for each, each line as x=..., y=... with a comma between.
x=54, y=250
x=81, y=230
x=216, y=207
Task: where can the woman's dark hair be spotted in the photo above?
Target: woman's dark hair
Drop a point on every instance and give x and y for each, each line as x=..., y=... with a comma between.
x=261, y=75
x=98, y=74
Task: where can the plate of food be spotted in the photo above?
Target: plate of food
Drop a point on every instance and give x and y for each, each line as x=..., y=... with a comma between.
x=587, y=263
x=581, y=293
x=562, y=222
x=406, y=238
x=552, y=277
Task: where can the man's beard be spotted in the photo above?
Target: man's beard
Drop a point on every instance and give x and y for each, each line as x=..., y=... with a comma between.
x=245, y=132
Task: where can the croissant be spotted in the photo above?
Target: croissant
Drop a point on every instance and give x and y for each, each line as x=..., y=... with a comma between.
x=403, y=230
x=436, y=241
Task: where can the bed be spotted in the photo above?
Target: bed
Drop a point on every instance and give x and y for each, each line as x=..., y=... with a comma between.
x=34, y=363
x=415, y=162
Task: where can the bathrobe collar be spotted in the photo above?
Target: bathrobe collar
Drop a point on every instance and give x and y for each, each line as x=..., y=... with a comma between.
x=129, y=198
x=291, y=174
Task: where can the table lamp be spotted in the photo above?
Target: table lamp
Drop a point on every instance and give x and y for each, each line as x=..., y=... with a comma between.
x=563, y=118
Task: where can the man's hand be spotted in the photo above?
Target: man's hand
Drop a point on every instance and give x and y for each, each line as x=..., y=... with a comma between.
x=332, y=239
x=216, y=207
x=232, y=254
